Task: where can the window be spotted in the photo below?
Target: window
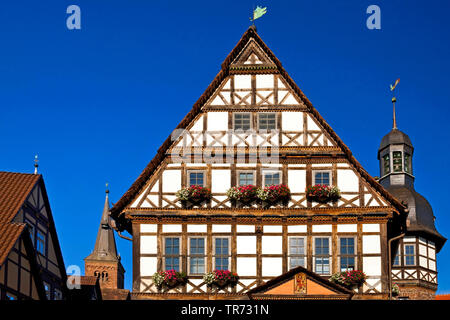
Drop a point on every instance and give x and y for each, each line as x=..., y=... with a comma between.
x=271, y=178
x=32, y=230
x=104, y=276
x=10, y=296
x=386, y=164
x=197, y=256
x=246, y=178
x=347, y=254
x=322, y=255
x=396, y=260
x=322, y=177
x=296, y=252
x=196, y=178
x=397, y=161
x=40, y=242
x=58, y=294
x=47, y=290
x=242, y=121
x=407, y=163
x=409, y=255
x=172, y=254
x=222, y=251
x=266, y=121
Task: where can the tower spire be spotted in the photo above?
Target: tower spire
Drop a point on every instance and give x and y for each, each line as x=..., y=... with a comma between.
x=394, y=125
x=394, y=100
x=105, y=245
x=104, y=262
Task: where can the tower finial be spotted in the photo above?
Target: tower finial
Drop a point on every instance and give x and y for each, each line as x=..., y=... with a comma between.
x=107, y=189
x=394, y=100
x=36, y=165
x=394, y=125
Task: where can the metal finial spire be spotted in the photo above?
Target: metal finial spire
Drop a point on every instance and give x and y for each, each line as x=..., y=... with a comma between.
x=107, y=190
x=394, y=126
x=394, y=100
x=36, y=165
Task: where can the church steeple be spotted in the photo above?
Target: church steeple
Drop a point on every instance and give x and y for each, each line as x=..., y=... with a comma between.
x=104, y=262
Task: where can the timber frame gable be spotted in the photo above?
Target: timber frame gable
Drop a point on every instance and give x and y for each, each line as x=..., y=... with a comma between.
x=326, y=151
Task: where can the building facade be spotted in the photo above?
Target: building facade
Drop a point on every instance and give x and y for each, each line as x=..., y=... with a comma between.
x=254, y=126
x=30, y=256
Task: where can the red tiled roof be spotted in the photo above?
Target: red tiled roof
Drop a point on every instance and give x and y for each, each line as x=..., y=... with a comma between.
x=9, y=233
x=442, y=297
x=14, y=189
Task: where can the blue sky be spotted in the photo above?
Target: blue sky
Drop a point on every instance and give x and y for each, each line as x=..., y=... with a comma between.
x=95, y=104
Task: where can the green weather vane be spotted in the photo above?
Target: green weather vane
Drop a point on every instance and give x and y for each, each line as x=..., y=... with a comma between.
x=258, y=13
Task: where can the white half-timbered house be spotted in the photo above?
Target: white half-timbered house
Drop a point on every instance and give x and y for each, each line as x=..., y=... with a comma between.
x=253, y=125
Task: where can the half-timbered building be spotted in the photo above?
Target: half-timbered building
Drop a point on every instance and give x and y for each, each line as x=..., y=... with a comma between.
x=31, y=263
x=254, y=126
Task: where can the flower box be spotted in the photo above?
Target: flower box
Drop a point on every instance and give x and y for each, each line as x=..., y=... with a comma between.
x=193, y=195
x=219, y=279
x=243, y=195
x=395, y=290
x=323, y=193
x=169, y=279
x=349, y=279
x=274, y=194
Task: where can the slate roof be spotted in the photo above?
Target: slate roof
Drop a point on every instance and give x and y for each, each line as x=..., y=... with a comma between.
x=420, y=217
x=105, y=244
x=395, y=136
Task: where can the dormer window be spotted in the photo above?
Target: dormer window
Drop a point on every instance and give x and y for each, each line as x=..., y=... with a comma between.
x=397, y=161
x=407, y=163
x=386, y=164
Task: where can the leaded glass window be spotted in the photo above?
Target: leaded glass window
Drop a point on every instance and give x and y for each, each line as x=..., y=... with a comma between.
x=407, y=163
x=386, y=164
x=397, y=161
